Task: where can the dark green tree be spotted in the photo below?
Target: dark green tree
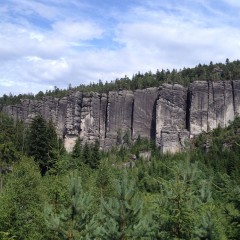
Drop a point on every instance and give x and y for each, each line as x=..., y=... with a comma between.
x=86, y=154
x=42, y=144
x=75, y=221
x=77, y=150
x=21, y=203
x=121, y=216
x=95, y=156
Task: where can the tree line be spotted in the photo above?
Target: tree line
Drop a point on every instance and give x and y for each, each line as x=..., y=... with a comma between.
x=212, y=71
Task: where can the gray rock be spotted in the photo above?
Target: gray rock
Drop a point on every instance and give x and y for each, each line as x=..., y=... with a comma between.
x=212, y=105
x=199, y=107
x=144, y=113
x=90, y=117
x=165, y=114
x=236, y=96
x=173, y=140
x=119, y=115
x=171, y=109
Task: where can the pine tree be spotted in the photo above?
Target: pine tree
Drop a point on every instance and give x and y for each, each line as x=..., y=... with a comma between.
x=76, y=220
x=104, y=178
x=42, y=143
x=22, y=202
x=86, y=154
x=77, y=150
x=121, y=216
x=95, y=156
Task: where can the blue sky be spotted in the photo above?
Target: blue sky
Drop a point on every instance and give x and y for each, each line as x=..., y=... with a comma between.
x=47, y=43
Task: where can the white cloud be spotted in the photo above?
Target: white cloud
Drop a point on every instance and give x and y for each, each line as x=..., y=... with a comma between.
x=60, y=47
x=76, y=31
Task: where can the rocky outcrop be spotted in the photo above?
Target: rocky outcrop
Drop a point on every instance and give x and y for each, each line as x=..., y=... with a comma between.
x=119, y=117
x=168, y=114
x=212, y=105
x=236, y=97
x=173, y=139
x=170, y=111
x=144, y=113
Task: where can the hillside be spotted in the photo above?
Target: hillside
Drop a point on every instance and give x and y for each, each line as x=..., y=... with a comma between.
x=101, y=195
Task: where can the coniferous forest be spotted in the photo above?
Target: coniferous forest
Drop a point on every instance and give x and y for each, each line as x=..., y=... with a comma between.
x=130, y=192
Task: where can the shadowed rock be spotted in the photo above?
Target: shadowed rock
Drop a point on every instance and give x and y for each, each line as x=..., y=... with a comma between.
x=144, y=113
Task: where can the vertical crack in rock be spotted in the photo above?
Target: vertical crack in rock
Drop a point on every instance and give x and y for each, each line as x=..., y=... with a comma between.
x=106, y=119
x=144, y=113
x=236, y=84
x=153, y=122
x=119, y=116
x=188, y=109
x=212, y=113
x=103, y=119
x=170, y=116
x=234, y=100
x=132, y=118
x=199, y=107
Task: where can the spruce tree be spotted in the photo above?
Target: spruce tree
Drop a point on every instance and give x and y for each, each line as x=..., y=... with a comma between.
x=95, y=156
x=86, y=154
x=42, y=144
x=104, y=178
x=77, y=150
x=21, y=202
x=121, y=216
x=76, y=220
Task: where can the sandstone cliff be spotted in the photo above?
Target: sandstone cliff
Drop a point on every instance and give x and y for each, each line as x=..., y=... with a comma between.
x=168, y=115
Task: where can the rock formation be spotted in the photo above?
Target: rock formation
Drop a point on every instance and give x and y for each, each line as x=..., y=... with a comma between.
x=168, y=115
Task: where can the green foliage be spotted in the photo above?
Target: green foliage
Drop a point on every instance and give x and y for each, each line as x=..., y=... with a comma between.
x=104, y=179
x=118, y=194
x=42, y=144
x=22, y=202
x=77, y=150
x=121, y=216
x=75, y=220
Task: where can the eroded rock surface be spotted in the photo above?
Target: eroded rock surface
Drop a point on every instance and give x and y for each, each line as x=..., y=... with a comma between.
x=171, y=109
x=212, y=105
x=144, y=113
x=167, y=115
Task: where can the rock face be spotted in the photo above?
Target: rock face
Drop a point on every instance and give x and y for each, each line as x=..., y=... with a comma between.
x=119, y=117
x=168, y=115
x=144, y=113
x=212, y=105
x=173, y=140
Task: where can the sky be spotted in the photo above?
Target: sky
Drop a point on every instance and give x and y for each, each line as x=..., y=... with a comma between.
x=48, y=43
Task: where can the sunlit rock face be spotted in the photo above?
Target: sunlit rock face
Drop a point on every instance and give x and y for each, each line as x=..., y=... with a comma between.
x=173, y=139
x=171, y=109
x=119, y=116
x=168, y=115
x=212, y=105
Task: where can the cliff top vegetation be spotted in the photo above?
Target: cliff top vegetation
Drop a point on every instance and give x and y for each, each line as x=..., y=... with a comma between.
x=213, y=72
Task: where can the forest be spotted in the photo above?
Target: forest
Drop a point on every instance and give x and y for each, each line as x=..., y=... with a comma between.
x=211, y=72
x=129, y=192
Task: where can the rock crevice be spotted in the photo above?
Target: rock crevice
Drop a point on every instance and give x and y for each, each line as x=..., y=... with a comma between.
x=168, y=115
